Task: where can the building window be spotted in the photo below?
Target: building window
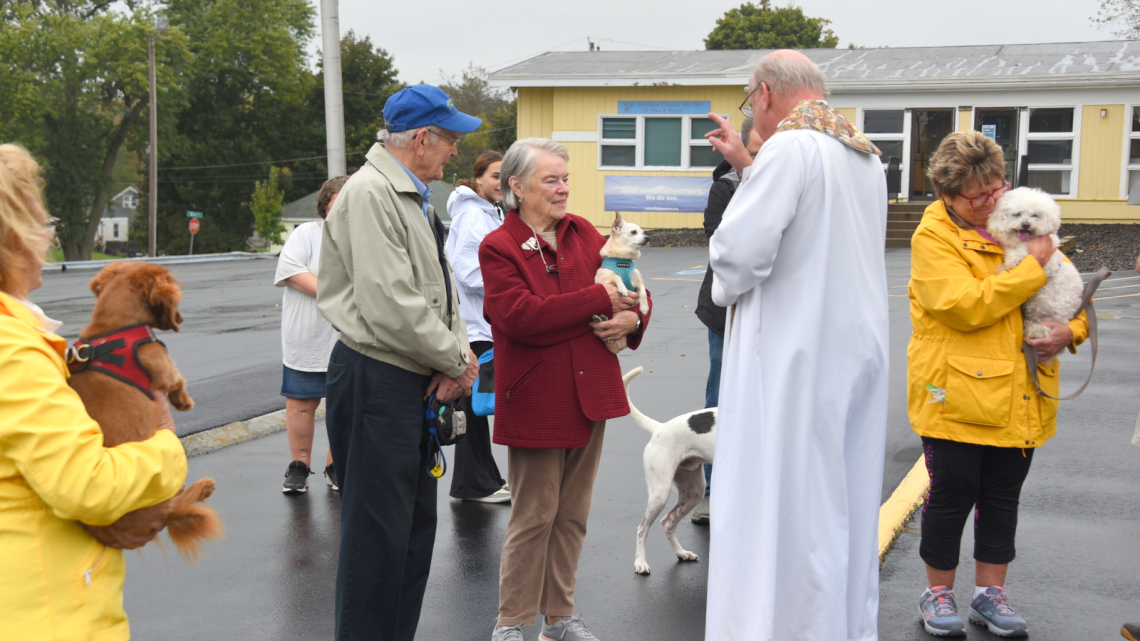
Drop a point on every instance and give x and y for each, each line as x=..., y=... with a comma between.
x=130, y=202
x=657, y=142
x=884, y=127
x=1049, y=144
x=115, y=231
x=1133, y=147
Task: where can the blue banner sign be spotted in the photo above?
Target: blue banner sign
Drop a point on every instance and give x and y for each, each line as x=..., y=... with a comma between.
x=664, y=107
x=657, y=193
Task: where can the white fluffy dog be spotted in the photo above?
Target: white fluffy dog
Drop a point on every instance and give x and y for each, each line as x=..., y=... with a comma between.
x=674, y=456
x=619, y=252
x=1023, y=214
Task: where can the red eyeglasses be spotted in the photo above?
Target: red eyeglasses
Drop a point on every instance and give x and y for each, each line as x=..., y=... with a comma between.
x=980, y=199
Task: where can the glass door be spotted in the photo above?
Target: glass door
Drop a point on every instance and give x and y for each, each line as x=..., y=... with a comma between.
x=928, y=128
x=1001, y=125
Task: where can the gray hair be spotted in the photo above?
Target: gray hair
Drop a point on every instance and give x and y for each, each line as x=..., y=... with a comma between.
x=521, y=160
x=746, y=131
x=788, y=74
x=401, y=139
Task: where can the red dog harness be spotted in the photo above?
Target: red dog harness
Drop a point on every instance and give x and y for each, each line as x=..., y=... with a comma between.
x=115, y=354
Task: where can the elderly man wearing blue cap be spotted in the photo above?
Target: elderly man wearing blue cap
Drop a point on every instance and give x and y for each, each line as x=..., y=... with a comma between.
x=385, y=285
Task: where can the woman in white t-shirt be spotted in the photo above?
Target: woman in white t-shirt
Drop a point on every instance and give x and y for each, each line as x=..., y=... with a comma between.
x=307, y=340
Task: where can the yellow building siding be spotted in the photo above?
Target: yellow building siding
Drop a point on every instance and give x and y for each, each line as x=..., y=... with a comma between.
x=965, y=120
x=536, y=112
x=1101, y=151
x=849, y=113
x=1098, y=211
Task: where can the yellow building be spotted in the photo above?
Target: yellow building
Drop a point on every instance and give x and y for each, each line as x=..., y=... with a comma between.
x=1067, y=116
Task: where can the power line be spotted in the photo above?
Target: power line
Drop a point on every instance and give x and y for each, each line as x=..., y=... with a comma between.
x=247, y=164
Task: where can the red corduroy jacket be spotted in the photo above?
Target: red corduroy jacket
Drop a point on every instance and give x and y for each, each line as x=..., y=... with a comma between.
x=553, y=377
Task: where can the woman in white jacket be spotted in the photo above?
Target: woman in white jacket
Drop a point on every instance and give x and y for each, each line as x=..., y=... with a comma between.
x=474, y=214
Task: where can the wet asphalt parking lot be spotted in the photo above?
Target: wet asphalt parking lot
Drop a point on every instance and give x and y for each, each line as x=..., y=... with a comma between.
x=272, y=575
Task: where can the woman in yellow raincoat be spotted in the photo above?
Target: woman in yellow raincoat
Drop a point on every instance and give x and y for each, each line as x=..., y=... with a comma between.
x=969, y=393
x=56, y=581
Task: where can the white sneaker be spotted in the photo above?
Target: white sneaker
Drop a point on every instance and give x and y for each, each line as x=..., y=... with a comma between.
x=568, y=629
x=700, y=514
x=502, y=495
x=508, y=633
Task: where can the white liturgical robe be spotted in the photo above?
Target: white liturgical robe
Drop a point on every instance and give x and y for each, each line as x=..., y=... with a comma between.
x=799, y=261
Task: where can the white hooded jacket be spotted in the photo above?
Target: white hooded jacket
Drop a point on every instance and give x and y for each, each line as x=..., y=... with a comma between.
x=472, y=218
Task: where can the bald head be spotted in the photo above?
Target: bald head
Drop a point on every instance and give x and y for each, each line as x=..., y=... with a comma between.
x=782, y=80
x=790, y=74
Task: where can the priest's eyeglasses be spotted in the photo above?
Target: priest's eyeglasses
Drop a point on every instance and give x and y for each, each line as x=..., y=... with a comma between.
x=744, y=106
x=981, y=199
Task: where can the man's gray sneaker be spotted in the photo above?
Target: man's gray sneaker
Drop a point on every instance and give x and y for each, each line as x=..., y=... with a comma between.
x=940, y=613
x=508, y=633
x=990, y=610
x=568, y=629
x=701, y=512
x=296, y=478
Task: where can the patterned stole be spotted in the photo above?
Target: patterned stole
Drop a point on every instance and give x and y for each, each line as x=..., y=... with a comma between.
x=818, y=115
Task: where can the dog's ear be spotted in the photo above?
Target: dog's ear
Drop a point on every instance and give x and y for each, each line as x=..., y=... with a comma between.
x=99, y=283
x=618, y=222
x=163, y=296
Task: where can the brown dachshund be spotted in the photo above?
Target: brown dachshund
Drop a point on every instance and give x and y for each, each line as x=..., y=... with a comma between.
x=141, y=296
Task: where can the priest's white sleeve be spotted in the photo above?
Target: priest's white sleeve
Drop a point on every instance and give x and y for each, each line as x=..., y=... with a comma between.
x=743, y=249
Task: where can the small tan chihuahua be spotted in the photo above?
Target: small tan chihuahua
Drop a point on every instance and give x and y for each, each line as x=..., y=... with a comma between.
x=618, y=254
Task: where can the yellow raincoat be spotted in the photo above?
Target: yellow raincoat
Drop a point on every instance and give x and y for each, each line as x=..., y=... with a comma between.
x=967, y=340
x=56, y=581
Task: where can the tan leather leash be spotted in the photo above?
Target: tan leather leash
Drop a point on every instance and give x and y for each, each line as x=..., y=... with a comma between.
x=1086, y=305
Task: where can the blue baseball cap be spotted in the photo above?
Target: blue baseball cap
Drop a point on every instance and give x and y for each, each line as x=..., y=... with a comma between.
x=422, y=105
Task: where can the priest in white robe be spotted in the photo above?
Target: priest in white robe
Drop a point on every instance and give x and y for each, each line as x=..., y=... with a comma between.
x=799, y=262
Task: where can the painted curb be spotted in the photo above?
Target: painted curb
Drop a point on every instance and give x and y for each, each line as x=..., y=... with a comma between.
x=212, y=440
x=897, y=510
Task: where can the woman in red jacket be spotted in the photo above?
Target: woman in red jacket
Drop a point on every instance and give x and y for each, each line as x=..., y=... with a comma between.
x=556, y=384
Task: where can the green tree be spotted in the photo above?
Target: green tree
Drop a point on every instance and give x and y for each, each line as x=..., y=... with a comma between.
x=247, y=108
x=75, y=94
x=473, y=94
x=368, y=79
x=1123, y=16
x=761, y=27
x=267, y=204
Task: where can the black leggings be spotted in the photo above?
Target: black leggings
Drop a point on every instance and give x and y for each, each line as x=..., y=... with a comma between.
x=964, y=476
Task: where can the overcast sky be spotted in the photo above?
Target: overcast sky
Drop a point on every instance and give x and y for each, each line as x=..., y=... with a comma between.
x=427, y=36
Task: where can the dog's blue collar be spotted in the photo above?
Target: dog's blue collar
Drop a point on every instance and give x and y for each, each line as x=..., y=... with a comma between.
x=622, y=267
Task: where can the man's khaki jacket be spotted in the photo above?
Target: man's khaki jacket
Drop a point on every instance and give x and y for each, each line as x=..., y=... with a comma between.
x=380, y=283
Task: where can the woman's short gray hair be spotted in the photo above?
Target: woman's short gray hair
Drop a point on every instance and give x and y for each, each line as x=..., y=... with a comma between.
x=521, y=160
x=788, y=74
x=746, y=131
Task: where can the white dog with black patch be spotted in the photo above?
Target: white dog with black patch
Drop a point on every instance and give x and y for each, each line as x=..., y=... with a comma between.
x=621, y=249
x=1024, y=214
x=675, y=455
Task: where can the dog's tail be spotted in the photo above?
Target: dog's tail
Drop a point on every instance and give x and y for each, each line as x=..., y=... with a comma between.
x=190, y=521
x=646, y=423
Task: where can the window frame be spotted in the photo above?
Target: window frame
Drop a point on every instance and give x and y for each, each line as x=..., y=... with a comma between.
x=638, y=143
x=1073, y=165
x=130, y=201
x=1125, y=162
x=904, y=137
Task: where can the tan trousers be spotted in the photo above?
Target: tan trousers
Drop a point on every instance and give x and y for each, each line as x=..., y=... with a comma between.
x=550, y=502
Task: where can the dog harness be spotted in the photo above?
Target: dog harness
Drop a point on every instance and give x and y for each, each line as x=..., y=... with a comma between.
x=115, y=354
x=622, y=267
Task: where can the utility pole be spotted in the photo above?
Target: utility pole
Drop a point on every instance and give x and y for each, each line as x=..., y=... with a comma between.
x=334, y=97
x=161, y=24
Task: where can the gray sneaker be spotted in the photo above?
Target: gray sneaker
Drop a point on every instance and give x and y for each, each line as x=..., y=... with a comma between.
x=568, y=629
x=296, y=478
x=940, y=614
x=508, y=633
x=701, y=512
x=991, y=611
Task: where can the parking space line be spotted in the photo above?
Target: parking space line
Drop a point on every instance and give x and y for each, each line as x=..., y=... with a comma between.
x=1122, y=296
x=691, y=280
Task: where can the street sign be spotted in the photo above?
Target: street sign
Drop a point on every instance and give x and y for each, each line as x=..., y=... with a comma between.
x=194, y=214
x=194, y=225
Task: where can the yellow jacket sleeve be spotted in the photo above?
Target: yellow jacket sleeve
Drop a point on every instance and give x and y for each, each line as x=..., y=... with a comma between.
x=948, y=290
x=47, y=436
